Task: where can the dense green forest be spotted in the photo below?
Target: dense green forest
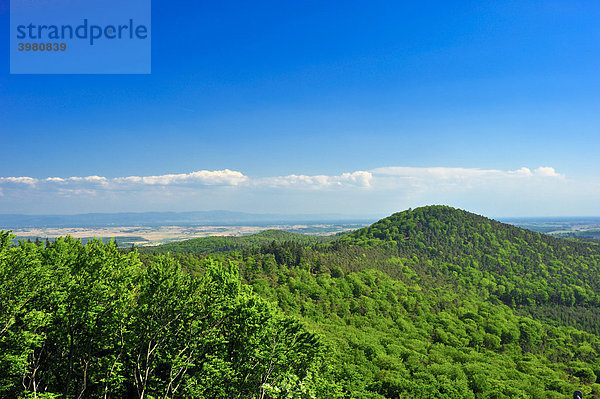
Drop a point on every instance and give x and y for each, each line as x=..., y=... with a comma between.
x=206, y=245
x=523, y=269
x=428, y=303
x=90, y=322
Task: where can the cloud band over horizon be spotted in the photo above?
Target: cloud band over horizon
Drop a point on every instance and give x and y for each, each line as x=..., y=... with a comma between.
x=206, y=189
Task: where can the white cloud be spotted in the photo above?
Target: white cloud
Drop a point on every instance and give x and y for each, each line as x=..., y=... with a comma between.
x=546, y=171
x=378, y=178
x=435, y=172
x=445, y=173
x=354, y=179
x=19, y=180
x=360, y=178
x=89, y=179
x=203, y=177
x=434, y=182
x=77, y=179
x=521, y=172
x=55, y=179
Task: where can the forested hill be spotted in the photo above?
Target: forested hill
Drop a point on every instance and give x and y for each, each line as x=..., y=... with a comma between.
x=443, y=231
x=206, y=245
x=428, y=303
x=519, y=266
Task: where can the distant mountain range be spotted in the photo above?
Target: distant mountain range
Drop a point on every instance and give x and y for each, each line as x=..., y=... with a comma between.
x=206, y=218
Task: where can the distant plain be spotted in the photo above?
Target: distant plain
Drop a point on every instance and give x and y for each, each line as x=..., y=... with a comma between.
x=156, y=235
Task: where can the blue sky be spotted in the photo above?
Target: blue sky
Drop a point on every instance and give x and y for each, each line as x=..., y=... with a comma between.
x=355, y=107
